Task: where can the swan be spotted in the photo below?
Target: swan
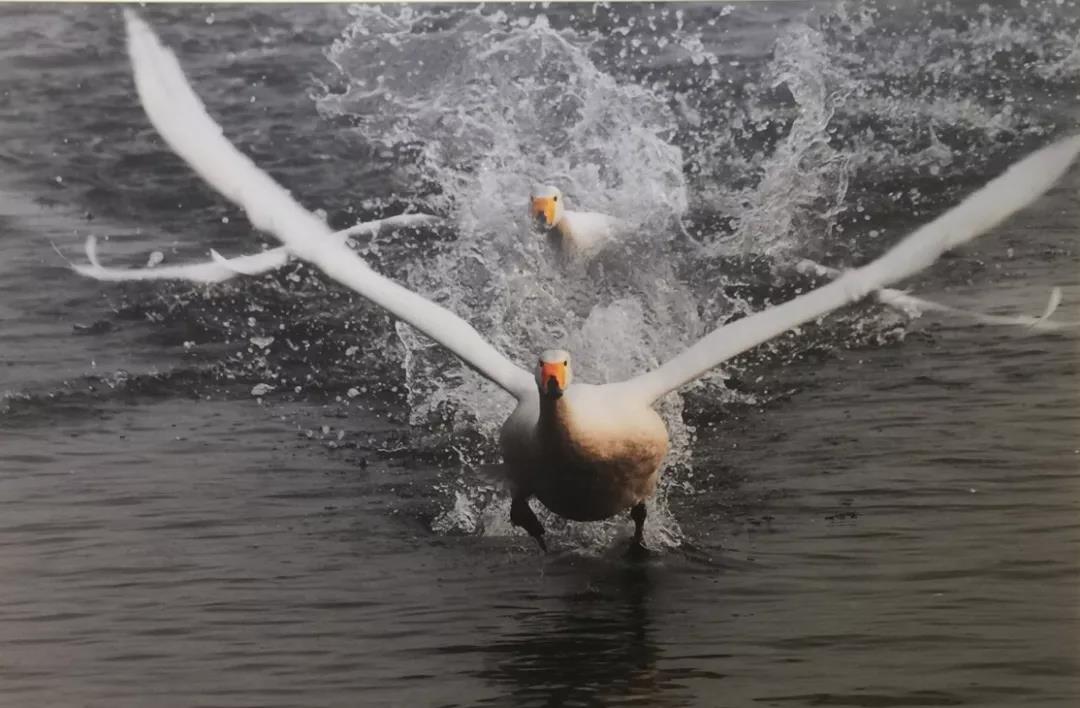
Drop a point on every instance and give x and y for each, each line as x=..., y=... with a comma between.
x=586, y=451
x=574, y=234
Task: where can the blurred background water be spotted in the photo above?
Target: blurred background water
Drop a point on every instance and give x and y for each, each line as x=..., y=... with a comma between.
x=875, y=511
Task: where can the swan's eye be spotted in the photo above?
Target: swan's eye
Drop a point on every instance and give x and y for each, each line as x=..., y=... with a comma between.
x=554, y=199
x=565, y=363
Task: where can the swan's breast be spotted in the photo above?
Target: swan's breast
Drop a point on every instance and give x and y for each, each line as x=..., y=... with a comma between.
x=602, y=456
x=601, y=429
x=584, y=232
x=605, y=459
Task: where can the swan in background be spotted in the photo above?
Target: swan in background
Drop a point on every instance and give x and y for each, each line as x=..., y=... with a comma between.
x=587, y=452
x=575, y=234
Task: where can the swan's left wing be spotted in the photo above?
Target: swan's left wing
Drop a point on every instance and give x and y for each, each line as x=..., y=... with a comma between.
x=182, y=121
x=912, y=305
x=1021, y=184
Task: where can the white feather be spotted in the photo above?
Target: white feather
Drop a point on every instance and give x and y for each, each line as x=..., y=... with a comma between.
x=182, y=121
x=911, y=304
x=1020, y=185
x=196, y=272
x=221, y=268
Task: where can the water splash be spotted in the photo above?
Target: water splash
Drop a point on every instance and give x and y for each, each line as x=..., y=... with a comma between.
x=491, y=102
x=660, y=117
x=800, y=187
x=502, y=103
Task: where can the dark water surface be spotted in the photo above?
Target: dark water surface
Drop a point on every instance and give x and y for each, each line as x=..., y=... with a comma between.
x=877, y=512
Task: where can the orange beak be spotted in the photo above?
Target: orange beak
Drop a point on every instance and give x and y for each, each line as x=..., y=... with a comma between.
x=553, y=378
x=543, y=208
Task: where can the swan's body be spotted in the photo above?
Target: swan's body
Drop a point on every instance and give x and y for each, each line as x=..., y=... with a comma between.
x=587, y=455
x=587, y=452
x=574, y=234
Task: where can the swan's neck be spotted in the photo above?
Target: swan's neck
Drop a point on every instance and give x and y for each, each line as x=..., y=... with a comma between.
x=554, y=417
x=563, y=225
x=560, y=237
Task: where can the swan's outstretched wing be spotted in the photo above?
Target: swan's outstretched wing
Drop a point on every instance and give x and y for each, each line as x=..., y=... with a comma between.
x=1021, y=184
x=252, y=263
x=274, y=258
x=900, y=300
x=220, y=268
x=209, y=272
x=182, y=121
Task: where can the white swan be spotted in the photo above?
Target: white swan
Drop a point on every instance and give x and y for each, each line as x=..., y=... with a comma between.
x=586, y=451
x=575, y=234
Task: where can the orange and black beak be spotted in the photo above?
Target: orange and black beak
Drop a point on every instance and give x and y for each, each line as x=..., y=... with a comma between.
x=543, y=211
x=552, y=378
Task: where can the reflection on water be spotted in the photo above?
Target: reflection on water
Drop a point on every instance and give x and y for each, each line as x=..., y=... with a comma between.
x=599, y=646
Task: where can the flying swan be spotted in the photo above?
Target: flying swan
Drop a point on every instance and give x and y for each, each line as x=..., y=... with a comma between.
x=587, y=452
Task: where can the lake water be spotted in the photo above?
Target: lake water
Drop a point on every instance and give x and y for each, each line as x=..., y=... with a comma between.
x=880, y=511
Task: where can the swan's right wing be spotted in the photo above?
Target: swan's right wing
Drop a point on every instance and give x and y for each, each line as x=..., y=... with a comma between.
x=208, y=272
x=182, y=121
x=274, y=258
x=253, y=263
x=397, y=221
x=221, y=268
x=1021, y=184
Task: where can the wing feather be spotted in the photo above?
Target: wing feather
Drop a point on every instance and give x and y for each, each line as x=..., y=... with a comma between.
x=1021, y=184
x=904, y=302
x=197, y=272
x=181, y=119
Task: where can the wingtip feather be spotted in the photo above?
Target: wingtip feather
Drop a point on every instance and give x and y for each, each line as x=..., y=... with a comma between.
x=91, y=251
x=1051, y=305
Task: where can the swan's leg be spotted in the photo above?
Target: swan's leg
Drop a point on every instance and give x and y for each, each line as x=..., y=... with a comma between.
x=638, y=513
x=521, y=514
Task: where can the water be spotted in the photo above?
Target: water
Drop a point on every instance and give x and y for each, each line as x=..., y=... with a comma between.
x=878, y=512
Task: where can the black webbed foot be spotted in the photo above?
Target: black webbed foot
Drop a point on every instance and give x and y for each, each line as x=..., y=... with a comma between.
x=638, y=514
x=637, y=546
x=521, y=514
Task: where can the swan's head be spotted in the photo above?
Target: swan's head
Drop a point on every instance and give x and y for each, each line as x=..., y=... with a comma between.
x=546, y=206
x=553, y=373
